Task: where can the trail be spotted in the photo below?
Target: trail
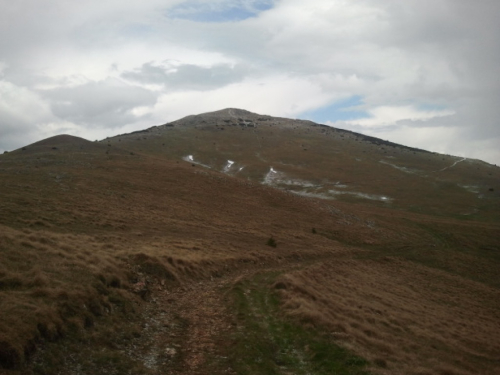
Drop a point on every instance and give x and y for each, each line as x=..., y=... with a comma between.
x=451, y=166
x=402, y=169
x=181, y=328
x=185, y=327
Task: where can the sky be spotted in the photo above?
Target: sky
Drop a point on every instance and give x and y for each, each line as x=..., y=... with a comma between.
x=421, y=73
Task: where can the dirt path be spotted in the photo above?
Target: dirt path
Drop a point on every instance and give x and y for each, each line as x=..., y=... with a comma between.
x=184, y=327
x=451, y=166
x=204, y=311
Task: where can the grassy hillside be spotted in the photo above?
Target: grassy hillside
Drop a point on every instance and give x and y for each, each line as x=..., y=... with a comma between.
x=150, y=253
x=320, y=161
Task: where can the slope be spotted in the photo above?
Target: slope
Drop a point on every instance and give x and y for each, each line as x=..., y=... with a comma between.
x=128, y=256
x=78, y=227
x=324, y=162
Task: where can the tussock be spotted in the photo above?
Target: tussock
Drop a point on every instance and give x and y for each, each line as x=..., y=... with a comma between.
x=400, y=315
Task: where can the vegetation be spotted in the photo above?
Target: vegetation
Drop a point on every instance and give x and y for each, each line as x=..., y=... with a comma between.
x=125, y=259
x=271, y=242
x=264, y=343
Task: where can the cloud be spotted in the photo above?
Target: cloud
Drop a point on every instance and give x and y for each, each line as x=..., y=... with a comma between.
x=390, y=116
x=176, y=76
x=442, y=139
x=108, y=103
x=273, y=95
x=413, y=65
x=20, y=111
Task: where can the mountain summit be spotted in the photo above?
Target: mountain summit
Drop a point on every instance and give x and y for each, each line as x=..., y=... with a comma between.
x=321, y=161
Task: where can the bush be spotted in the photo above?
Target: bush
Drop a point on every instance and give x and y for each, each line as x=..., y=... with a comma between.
x=271, y=242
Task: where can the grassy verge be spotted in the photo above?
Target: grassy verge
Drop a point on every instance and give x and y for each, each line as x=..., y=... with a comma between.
x=266, y=343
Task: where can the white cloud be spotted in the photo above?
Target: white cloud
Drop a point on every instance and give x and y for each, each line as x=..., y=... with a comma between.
x=20, y=108
x=384, y=116
x=275, y=95
x=400, y=58
x=442, y=139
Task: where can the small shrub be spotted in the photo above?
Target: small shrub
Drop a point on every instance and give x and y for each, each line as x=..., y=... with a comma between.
x=271, y=242
x=115, y=282
x=314, y=231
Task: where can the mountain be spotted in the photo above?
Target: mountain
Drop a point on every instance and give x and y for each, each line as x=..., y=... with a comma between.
x=320, y=161
x=232, y=242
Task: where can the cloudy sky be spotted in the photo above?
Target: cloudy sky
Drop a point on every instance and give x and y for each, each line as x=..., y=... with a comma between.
x=418, y=72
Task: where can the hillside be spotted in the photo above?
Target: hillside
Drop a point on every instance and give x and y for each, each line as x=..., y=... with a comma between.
x=231, y=242
x=320, y=161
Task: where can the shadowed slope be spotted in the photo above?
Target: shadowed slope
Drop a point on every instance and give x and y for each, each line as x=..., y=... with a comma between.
x=62, y=139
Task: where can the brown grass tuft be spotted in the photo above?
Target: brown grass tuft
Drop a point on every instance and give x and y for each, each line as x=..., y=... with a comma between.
x=390, y=309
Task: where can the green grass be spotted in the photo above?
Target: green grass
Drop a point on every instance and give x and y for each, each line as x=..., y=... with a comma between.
x=267, y=343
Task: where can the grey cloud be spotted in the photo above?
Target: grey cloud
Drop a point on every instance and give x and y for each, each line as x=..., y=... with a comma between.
x=106, y=103
x=188, y=76
x=462, y=32
x=442, y=53
x=20, y=111
x=478, y=117
x=15, y=132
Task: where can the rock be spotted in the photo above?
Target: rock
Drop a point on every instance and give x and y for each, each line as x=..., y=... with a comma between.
x=170, y=352
x=141, y=288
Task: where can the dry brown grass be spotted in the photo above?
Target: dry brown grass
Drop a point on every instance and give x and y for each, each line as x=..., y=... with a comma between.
x=404, y=317
x=82, y=232
x=49, y=284
x=87, y=229
x=304, y=151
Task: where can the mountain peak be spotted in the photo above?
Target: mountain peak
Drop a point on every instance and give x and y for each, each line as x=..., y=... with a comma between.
x=59, y=142
x=222, y=114
x=62, y=139
x=231, y=112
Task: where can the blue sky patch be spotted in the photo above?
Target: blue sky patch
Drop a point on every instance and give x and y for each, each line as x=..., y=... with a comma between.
x=342, y=110
x=219, y=11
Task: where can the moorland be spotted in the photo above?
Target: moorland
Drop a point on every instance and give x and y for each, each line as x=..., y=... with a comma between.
x=236, y=243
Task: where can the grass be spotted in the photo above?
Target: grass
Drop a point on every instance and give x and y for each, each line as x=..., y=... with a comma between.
x=387, y=308
x=470, y=250
x=99, y=350
x=73, y=249
x=82, y=227
x=267, y=343
x=331, y=156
